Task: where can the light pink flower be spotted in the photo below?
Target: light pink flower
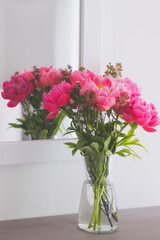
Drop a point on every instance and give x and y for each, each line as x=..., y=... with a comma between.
x=58, y=96
x=108, y=82
x=128, y=88
x=18, y=88
x=106, y=99
x=94, y=77
x=77, y=76
x=88, y=87
x=154, y=120
x=49, y=76
x=82, y=77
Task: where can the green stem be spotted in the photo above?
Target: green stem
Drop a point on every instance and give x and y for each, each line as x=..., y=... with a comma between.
x=98, y=192
x=79, y=123
x=126, y=124
x=108, y=200
x=96, y=211
x=100, y=213
x=97, y=123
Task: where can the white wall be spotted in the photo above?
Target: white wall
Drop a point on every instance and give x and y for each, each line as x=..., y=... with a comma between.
x=90, y=36
x=131, y=35
x=39, y=178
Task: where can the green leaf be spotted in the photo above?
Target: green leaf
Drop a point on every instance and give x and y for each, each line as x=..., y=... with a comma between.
x=122, y=135
x=140, y=145
x=89, y=152
x=79, y=135
x=15, y=125
x=71, y=144
x=108, y=153
x=99, y=163
x=127, y=152
x=67, y=112
x=106, y=144
x=95, y=147
x=123, y=151
x=43, y=134
x=121, y=154
x=124, y=140
x=32, y=132
x=20, y=120
x=131, y=132
x=133, y=152
x=81, y=143
x=98, y=139
x=74, y=151
x=136, y=140
x=133, y=125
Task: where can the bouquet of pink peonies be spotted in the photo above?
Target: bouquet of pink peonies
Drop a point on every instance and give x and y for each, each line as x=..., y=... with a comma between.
x=100, y=108
x=27, y=88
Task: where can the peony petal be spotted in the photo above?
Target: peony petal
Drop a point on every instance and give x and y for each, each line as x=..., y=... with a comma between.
x=50, y=107
x=103, y=107
x=63, y=100
x=101, y=100
x=128, y=118
x=21, y=97
x=154, y=122
x=3, y=95
x=52, y=114
x=149, y=129
x=12, y=104
x=142, y=121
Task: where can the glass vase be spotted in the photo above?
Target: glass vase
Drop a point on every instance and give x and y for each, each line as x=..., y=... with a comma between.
x=98, y=208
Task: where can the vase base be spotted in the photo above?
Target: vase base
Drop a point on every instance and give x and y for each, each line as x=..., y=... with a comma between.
x=99, y=229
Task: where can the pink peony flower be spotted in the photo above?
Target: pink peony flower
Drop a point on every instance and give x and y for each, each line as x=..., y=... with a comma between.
x=49, y=76
x=88, y=88
x=77, y=76
x=108, y=82
x=94, y=77
x=82, y=77
x=18, y=88
x=143, y=114
x=154, y=119
x=128, y=88
x=106, y=99
x=58, y=96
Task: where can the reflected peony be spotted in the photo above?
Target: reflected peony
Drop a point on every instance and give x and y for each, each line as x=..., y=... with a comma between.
x=18, y=88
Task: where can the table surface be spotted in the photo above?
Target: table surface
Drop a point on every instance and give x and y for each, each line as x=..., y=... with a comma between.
x=135, y=224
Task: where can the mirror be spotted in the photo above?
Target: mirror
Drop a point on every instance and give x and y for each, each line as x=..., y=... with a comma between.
x=35, y=32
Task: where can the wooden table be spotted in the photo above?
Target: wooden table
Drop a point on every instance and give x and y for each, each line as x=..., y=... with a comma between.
x=135, y=224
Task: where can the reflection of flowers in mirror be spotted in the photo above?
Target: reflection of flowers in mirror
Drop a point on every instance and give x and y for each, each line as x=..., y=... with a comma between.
x=27, y=88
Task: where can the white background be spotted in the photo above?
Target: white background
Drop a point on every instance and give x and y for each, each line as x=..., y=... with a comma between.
x=125, y=31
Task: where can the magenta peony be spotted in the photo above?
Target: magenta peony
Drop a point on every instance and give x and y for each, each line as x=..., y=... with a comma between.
x=18, y=88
